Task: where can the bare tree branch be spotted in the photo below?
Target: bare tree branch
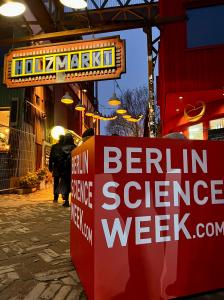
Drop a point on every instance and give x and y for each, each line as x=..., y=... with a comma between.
x=136, y=103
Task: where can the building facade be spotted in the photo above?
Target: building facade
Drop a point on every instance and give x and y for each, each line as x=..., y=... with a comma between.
x=27, y=116
x=191, y=77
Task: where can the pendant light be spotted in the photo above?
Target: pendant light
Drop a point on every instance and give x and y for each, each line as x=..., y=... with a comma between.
x=67, y=99
x=89, y=113
x=12, y=9
x=76, y=4
x=114, y=100
x=80, y=107
x=126, y=116
x=121, y=110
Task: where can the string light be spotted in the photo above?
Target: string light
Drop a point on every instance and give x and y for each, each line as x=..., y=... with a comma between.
x=89, y=113
x=126, y=116
x=76, y=4
x=12, y=9
x=80, y=107
x=120, y=111
x=67, y=99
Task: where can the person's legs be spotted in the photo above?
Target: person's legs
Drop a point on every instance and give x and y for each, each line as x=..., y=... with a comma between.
x=56, y=184
x=66, y=191
x=66, y=201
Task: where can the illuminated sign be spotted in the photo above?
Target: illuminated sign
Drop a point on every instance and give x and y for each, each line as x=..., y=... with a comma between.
x=65, y=63
x=194, y=113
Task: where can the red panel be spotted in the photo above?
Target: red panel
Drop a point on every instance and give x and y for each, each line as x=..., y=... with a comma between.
x=173, y=245
x=183, y=70
x=214, y=110
x=82, y=215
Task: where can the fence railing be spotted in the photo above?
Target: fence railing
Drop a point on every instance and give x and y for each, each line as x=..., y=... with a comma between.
x=17, y=156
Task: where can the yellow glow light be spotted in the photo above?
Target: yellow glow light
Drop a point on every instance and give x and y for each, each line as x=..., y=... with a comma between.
x=96, y=115
x=132, y=120
x=67, y=99
x=121, y=111
x=76, y=4
x=114, y=101
x=57, y=131
x=109, y=118
x=135, y=120
x=126, y=116
x=12, y=9
x=89, y=113
x=80, y=107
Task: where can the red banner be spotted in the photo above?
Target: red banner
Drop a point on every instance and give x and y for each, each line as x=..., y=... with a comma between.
x=147, y=217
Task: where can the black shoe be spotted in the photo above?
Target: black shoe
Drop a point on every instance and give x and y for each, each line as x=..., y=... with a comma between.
x=66, y=204
x=55, y=198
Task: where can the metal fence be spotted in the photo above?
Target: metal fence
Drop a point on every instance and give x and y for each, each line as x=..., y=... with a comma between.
x=17, y=156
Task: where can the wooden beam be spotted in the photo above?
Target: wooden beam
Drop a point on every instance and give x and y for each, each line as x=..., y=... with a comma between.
x=109, y=27
x=40, y=12
x=107, y=10
x=77, y=32
x=166, y=20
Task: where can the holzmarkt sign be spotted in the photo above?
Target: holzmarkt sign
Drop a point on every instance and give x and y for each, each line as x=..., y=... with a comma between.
x=64, y=63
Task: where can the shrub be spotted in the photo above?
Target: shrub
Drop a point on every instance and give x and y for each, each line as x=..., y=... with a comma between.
x=41, y=174
x=48, y=177
x=30, y=180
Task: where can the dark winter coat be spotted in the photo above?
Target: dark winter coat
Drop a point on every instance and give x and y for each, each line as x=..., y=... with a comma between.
x=67, y=160
x=60, y=164
x=65, y=171
x=55, y=160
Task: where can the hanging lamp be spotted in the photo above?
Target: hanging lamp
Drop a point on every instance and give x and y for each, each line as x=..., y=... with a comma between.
x=121, y=110
x=126, y=116
x=89, y=113
x=114, y=100
x=80, y=107
x=76, y=4
x=12, y=9
x=96, y=115
x=67, y=99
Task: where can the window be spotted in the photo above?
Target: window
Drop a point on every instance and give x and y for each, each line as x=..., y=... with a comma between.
x=216, y=124
x=195, y=132
x=4, y=129
x=205, y=26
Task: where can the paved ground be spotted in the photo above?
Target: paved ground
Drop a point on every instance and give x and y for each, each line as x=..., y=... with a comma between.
x=34, y=251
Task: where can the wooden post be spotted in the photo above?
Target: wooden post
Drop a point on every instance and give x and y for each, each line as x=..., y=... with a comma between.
x=151, y=108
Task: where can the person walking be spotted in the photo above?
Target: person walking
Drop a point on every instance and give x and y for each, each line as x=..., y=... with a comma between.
x=65, y=168
x=54, y=165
